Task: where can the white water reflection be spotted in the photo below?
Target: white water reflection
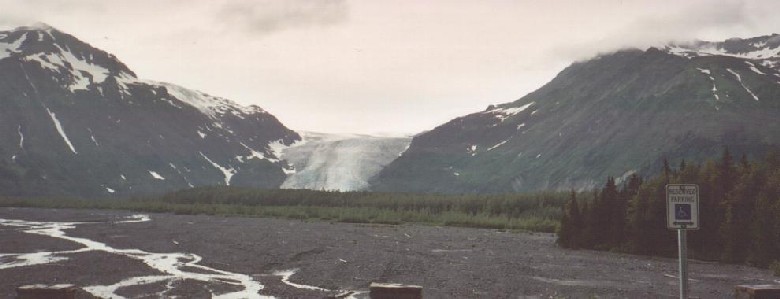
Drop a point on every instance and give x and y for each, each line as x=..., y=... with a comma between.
x=28, y=259
x=171, y=264
x=286, y=274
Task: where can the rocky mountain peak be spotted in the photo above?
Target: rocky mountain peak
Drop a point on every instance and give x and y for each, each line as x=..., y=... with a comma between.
x=764, y=49
x=77, y=121
x=75, y=63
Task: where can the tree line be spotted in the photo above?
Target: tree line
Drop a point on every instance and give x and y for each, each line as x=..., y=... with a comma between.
x=532, y=212
x=739, y=212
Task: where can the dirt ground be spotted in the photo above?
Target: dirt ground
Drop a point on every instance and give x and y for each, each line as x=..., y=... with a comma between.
x=447, y=262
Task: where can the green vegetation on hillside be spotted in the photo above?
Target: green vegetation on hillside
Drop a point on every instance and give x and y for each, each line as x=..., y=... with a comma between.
x=739, y=213
x=538, y=212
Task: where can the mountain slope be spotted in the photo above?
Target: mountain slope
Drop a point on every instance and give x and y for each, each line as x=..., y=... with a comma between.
x=609, y=116
x=78, y=122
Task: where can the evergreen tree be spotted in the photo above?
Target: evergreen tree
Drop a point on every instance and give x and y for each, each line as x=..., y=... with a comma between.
x=591, y=218
x=667, y=171
x=765, y=229
x=739, y=212
x=706, y=242
x=571, y=224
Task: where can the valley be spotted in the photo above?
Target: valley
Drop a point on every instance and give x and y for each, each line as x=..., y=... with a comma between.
x=280, y=259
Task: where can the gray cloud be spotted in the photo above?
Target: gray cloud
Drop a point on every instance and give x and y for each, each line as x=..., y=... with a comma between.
x=693, y=22
x=268, y=16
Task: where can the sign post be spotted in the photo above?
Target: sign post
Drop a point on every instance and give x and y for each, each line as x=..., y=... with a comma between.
x=682, y=214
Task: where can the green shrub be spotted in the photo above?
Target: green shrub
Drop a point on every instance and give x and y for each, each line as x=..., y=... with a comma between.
x=538, y=212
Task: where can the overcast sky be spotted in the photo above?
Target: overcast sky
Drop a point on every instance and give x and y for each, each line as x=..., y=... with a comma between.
x=378, y=66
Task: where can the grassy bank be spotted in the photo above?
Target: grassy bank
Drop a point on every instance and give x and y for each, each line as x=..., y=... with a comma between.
x=538, y=212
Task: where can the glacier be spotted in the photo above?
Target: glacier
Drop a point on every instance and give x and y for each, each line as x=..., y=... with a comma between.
x=342, y=162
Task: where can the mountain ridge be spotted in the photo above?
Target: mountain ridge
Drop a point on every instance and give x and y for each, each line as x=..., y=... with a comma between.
x=78, y=122
x=613, y=115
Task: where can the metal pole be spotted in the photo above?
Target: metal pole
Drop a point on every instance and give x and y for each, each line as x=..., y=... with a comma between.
x=682, y=243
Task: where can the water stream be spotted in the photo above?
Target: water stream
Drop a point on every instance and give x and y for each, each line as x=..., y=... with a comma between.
x=173, y=265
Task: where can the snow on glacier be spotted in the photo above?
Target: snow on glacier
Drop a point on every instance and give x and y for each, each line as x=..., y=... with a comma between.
x=58, y=126
x=342, y=162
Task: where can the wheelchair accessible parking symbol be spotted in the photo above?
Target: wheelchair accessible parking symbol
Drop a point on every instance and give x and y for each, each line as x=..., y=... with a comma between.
x=682, y=206
x=682, y=211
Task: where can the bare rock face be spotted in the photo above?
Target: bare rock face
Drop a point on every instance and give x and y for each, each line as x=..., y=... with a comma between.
x=76, y=121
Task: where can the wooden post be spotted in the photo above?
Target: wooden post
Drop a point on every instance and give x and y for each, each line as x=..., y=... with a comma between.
x=764, y=291
x=394, y=291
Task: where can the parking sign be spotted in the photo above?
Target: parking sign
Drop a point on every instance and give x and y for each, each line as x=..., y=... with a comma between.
x=682, y=206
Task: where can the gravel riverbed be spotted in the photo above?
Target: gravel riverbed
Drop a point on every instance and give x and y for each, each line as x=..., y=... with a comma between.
x=315, y=259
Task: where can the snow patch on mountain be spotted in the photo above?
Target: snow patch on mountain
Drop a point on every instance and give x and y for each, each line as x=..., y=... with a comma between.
x=504, y=113
x=753, y=68
x=60, y=130
x=497, y=145
x=472, y=149
x=21, y=137
x=739, y=78
x=278, y=147
x=82, y=73
x=714, y=88
x=227, y=172
x=156, y=175
x=713, y=49
x=180, y=173
x=708, y=49
x=92, y=137
x=765, y=49
x=208, y=104
x=11, y=47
